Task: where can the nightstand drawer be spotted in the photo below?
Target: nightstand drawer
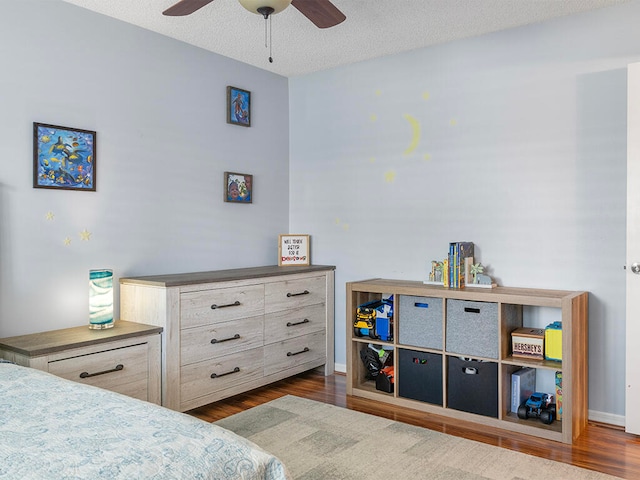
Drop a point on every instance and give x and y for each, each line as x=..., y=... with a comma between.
x=203, y=343
x=209, y=307
x=123, y=370
x=294, y=293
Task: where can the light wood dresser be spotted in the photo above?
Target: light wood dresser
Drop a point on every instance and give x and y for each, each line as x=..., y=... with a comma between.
x=125, y=358
x=229, y=331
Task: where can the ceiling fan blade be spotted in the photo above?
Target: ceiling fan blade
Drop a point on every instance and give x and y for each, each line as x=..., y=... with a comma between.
x=185, y=7
x=322, y=13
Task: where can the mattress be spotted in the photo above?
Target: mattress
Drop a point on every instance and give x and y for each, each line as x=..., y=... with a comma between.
x=52, y=428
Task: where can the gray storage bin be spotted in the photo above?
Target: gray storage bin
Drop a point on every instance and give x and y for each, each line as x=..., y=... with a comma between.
x=472, y=328
x=420, y=321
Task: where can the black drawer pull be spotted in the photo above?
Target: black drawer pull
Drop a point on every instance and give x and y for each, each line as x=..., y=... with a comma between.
x=306, y=292
x=421, y=305
x=471, y=310
x=235, y=337
x=289, y=324
x=291, y=354
x=218, y=375
x=234, y=304
x=87, y=374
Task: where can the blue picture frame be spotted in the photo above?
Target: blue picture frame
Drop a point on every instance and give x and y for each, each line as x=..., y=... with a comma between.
x=64, y=158
x=238, y=106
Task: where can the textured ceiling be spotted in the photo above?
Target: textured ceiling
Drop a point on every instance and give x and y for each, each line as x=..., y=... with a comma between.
x=373, y=28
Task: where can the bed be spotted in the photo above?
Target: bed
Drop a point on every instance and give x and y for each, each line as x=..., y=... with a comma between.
x=52, y=428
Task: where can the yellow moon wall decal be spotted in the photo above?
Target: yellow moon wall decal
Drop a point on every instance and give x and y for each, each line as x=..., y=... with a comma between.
x=415, y=128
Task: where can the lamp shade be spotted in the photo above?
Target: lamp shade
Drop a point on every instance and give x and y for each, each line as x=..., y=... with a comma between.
x=100, y=299
x=254, y=5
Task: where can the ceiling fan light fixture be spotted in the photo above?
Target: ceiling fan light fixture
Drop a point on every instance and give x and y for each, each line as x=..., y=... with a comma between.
x=255, y=6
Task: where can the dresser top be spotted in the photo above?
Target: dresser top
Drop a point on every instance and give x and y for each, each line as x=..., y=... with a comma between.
x=180, y=279
x=45, y=343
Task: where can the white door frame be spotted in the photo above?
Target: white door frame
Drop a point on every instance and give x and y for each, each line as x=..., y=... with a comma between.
x=632, y=371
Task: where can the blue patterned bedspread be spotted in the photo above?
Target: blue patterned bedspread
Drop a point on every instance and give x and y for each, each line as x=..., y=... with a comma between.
x=54, y=429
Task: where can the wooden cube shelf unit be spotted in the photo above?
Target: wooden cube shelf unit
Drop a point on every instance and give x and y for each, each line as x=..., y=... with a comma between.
x=452, y=340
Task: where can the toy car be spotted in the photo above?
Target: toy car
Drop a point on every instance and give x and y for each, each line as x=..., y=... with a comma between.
x=366, y=315
x=538, y=405
x=365, y=323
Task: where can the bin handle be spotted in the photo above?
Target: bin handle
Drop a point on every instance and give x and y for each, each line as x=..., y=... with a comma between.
x=469, y=370
x=421, y=305
x=471, y=310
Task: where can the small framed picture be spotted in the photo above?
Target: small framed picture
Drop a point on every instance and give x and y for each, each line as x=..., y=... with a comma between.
x=238, y=106
x=238, y=187
x=293, y=250
x=64, y=158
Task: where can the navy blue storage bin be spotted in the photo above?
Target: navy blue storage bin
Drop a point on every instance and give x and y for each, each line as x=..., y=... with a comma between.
x=472, y=386
x=420, y=376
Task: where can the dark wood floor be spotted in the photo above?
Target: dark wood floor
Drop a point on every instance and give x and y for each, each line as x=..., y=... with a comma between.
x=602, y=448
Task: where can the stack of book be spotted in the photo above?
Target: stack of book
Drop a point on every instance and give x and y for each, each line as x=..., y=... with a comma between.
x=457, y=265
x=523, y=384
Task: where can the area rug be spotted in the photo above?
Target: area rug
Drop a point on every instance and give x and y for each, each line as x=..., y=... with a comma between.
x=318, y=441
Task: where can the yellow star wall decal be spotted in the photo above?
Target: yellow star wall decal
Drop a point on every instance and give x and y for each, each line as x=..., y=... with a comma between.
x=345, y=226
x=85, y=235
x=390, y=176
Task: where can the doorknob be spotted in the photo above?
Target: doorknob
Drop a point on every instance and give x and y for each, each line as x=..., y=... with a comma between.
x=635, y=268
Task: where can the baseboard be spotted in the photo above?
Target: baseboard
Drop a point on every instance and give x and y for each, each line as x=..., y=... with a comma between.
x=608, y=418
x=340, y=367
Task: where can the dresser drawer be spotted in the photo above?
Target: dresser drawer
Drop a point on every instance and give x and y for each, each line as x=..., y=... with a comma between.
x=295, y=351
x=290, y=294
x=123, y=370
x=209, y=307
x=204, y=378
x=203, y=343
x=294, y=323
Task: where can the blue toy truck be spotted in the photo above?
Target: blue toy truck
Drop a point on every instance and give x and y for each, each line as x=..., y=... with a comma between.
x=538, y=405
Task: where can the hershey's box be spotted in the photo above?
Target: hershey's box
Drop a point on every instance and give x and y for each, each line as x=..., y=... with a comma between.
x=528, y=342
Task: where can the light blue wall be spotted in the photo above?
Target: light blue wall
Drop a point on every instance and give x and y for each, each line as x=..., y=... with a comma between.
x=522, y=150
x=163, y=145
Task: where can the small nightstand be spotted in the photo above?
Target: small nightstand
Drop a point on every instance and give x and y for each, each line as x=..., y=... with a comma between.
x=125, y=358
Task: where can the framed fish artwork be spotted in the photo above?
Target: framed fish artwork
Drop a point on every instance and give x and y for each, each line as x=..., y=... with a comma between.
x=238, y=107
x=64, y=158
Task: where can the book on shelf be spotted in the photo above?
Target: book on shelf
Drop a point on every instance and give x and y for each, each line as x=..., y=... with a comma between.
x=523, y=384
x=558, y=377
x=445, y=272
x=458, y=265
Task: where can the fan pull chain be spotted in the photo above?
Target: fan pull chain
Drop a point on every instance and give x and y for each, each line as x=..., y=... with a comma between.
x=268, y=43
x=266, y=28
x=270, y=40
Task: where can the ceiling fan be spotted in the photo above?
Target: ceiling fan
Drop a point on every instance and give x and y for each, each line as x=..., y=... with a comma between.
x=322, y=13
